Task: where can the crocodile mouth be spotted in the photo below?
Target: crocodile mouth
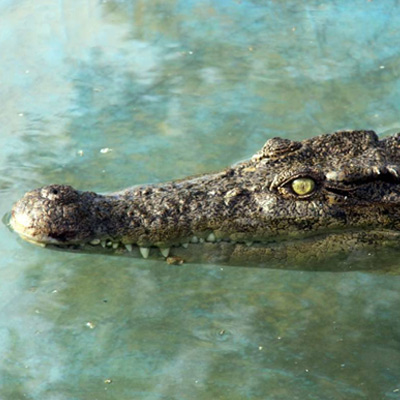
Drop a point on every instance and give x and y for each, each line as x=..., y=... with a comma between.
x=209, y=247
x=187, y=245
x=201, y=246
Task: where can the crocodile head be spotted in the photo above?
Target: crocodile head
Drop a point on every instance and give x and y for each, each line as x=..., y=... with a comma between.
x=305, y=199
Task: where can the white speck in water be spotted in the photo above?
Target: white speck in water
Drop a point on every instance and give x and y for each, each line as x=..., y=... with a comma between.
x=90, y=325
x=80, y=153
x=260, y=347
x=21, y=114
x=381, y=67
x=105, y=150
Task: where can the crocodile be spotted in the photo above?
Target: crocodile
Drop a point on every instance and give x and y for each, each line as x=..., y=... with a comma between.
x=293, y=200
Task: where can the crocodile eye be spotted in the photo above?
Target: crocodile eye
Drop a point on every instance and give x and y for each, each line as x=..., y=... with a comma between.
x=303, y=186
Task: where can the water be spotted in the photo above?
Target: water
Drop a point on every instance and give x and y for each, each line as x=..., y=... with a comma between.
x=173, y=88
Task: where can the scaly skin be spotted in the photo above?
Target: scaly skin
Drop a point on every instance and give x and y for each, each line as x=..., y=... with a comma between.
x=249, y=212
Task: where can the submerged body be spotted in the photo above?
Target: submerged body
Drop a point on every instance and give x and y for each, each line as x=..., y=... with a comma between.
x=291, y=200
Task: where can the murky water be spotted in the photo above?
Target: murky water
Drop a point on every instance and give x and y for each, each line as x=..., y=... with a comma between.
x=167, y=89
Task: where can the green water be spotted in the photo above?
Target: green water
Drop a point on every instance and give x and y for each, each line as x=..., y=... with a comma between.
x=173, y=88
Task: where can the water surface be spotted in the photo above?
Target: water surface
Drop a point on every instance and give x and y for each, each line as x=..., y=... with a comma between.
x=109, y=94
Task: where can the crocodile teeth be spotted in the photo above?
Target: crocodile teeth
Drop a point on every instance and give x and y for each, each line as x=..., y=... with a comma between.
x=164, y=252
x=144, y=251
x=392, y=170
x=115, y=245
x=36, y=243
x=201, y=240
x=248, y=243
x=128, y=247
x=103, y=243
x=185, y=245
x=211, y=237
x=95, y=242
x=376, y=170
x=194, y=239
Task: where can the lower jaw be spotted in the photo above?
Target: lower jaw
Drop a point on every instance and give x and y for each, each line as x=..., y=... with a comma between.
x=227, y=253
x=302, y=254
